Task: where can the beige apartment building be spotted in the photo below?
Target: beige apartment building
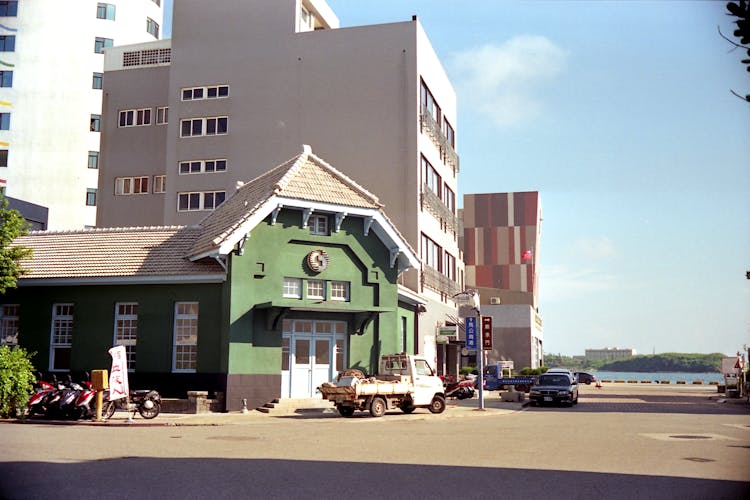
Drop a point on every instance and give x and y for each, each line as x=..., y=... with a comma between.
x=243, y=84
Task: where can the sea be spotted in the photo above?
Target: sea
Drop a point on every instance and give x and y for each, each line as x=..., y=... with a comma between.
x=671, y=377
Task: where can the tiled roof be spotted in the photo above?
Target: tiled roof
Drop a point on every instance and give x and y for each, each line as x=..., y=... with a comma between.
x=304, y=177
x=120, y=252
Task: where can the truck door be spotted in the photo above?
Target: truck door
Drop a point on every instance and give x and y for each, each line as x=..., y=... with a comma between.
x=426, y=383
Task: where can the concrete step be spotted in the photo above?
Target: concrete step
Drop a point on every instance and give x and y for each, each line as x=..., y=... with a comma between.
x=288, y=406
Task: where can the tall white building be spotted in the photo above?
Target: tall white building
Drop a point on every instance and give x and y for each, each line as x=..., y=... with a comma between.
x=51, y=65
x=242, y=84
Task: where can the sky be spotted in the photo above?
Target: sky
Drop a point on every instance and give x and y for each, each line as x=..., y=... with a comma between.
x=620, y=114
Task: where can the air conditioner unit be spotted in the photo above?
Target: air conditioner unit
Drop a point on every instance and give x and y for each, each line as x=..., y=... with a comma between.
x=495, y=301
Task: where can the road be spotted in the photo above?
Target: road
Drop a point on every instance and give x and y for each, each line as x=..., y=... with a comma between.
x=618, y=442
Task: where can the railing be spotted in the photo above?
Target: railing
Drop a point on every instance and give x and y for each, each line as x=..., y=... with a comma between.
x=433, y=204
x=434, y=279
x=432, y=128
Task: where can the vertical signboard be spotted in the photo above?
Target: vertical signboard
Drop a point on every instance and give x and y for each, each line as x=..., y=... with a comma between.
x=471, y=333
x=486, y=332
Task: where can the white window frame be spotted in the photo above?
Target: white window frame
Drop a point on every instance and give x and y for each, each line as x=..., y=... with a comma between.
x=191, y=167
x=162, y=115
x=292, y=288
x=61, y=332
x=431, y=253
x=206, y=200
x=201, y=93
x=134, y=117
x=316, y=289
x=185, y=341
x=160, y=184
x=9, y=324
x=126, y=186
x=204, y=124
x=340, y=290
x=126, y=330
x=318, y=224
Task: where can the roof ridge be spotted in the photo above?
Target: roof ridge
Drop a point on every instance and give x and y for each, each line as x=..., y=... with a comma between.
x=88, y=230
x=299, y=162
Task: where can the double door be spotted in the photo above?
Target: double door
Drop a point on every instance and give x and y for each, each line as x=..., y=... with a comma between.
x=313, y=352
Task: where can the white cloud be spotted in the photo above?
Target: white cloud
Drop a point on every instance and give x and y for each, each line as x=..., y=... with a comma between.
x=501, y=82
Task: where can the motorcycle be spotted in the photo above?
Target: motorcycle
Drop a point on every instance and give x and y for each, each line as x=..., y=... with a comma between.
x=459, y=389
x=39, y=401
x=147, y=402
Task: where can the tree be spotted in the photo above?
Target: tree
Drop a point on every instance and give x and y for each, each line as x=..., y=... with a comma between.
x=16, y=379
x=740, y=10
x=12, y=225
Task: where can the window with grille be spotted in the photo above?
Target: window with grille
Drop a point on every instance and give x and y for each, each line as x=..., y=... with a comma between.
x=340, y=290
x=126, y=329
x=316, y=289
x=61, y=337
x=293, y=288
x=318, y=224
x=185, y=357
x=9, y=324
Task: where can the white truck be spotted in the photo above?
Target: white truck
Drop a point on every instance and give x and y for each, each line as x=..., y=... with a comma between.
x=404, y=381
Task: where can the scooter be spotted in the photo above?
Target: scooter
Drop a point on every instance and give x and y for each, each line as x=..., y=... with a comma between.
x=39, y=401
x=147, y=402
x=461, y=389
x=62, y=402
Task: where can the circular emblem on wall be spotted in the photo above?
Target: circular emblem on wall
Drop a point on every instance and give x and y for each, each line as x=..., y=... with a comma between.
x=318, y=260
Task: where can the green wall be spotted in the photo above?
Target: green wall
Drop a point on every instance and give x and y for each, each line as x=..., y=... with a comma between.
x=93, y=323
x=273, y=252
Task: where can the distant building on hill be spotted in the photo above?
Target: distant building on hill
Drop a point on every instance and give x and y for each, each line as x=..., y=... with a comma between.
x=608, y=354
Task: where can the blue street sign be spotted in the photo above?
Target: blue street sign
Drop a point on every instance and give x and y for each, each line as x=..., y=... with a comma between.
x=471, y=333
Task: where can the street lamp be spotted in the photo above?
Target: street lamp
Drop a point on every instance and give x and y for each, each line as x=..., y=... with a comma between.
x=470, y=298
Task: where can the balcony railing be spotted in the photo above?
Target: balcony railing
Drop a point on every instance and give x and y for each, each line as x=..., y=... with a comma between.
x=438, y=209
x=432, y=128
x=434, y=279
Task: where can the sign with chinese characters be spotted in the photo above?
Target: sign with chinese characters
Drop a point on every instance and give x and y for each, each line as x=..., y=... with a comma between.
x=118, y=376
x=471, y=333
x=486, y=332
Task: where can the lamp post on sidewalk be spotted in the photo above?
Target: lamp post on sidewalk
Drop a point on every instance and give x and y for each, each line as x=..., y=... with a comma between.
x=470, y=299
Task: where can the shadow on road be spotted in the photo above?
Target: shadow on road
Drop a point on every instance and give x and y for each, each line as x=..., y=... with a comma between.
x=134, y=477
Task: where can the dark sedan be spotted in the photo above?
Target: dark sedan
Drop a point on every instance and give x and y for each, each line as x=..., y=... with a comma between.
x=585, y=378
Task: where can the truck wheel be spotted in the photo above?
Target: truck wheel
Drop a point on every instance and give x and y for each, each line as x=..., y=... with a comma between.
x=377, y=407
x=346, y=411
x=437, y=405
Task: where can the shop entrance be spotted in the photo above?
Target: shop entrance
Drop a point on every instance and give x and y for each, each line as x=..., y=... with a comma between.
x=313, y=352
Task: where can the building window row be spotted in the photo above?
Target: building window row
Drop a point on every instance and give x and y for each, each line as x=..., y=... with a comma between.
x=7, y=43
x=185, y=333
x=105, y=11
x=437, y=127
x=125, y=186
x=9, y=9
x=210, y=92
x=197, y=127
x=316, y=289
x=203, y=166
x=135, y=117
x=199, y=200
x=131, y=185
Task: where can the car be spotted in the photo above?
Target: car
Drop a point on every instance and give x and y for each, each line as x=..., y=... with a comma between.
x=556, y=387
x=585, y=378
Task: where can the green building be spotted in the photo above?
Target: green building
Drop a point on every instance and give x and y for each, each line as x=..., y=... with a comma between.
x=293, y=278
